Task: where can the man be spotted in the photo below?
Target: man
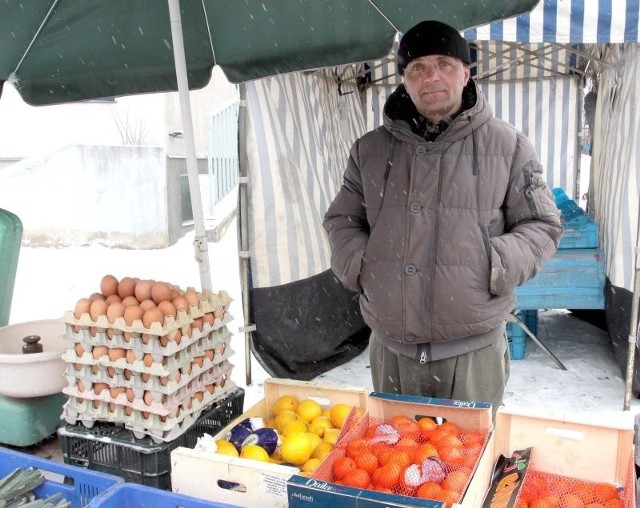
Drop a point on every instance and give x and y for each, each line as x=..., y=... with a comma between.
x=443, y=211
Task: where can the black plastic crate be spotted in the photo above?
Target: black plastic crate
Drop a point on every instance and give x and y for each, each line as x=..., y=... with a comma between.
x=114, y=450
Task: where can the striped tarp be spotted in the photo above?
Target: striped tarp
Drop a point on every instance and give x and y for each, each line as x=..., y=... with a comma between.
x=567, y=22
x=301, y=128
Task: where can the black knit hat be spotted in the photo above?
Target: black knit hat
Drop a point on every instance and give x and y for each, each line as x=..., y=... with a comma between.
x=431, y=38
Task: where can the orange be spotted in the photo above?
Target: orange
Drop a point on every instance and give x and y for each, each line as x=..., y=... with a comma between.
x=408, y=430
x=543, y=502
x=614, y=503
x=450, y=497
x=371, y=431
x=533, y=488
x=382, y=451
x=424, y=451
x=585, y=491
x=571, y=501
x=448, y=441
x=451, y=428
x=451, y=455
x=437, y=434
x=342, y=465
x=357, y=446
x=399, y=420
x=472, y=438
x=456, y=480
x=400, y=457
x=407, y=444
x=521, y=504
x=605, y=491
x=426, y=425
x=388, y=475
x=594, y=505
x=469, y=457
x=429, y=490
x=367, y=461
x=357, y=478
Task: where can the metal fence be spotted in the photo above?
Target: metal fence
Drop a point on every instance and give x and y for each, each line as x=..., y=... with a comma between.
x=223, y=152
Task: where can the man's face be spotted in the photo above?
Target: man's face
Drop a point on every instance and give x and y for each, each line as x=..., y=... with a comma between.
x=435, y=83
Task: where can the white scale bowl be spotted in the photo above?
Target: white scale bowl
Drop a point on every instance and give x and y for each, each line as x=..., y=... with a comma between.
x=35, y=374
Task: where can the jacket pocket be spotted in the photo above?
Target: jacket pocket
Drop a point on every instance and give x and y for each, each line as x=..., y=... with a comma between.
x=486, y=240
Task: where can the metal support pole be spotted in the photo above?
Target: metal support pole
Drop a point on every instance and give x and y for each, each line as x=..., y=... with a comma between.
x=201, y=247
x=243, y=230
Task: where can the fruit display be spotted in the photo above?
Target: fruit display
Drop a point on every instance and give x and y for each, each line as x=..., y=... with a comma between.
x=146, y=354
x=541, y=490
x=414, y=457
x=296, y=432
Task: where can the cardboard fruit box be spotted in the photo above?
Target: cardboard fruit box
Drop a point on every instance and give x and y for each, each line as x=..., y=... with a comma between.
x=245, y=482
x=319, y=490
x=595, y=449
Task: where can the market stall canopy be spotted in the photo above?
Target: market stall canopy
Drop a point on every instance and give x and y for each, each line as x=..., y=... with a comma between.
x=56, y=51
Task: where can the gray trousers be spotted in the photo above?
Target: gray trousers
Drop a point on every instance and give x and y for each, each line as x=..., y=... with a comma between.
x=476, y=376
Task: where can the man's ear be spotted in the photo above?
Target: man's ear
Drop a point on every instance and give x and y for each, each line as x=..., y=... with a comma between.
x=467, y=74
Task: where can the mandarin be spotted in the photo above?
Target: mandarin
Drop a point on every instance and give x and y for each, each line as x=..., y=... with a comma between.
x=450, y=497
x=605, y=491
x=426, y=425
x=398, y=420
x=342, y=465
x=367, y=461
x=429, y=490
x=357, y=478
x=452, y=428
x=408, y=430
x=388, y=475
x=357, y=446
x=614, y=503
x=456, y=480
x=571, y=501
x=400, y=457
x=423, y=451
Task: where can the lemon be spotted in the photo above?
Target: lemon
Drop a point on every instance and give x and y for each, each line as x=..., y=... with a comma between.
x=319, y=424
x=311, y=465
x=315, y=440
x=225, y=447
x=285, y=403
x=322, y=450
x=296, y=448
x=282, y=418
x=339, y=414
x=308, y=409
x=331, y=436
x=255, y=452
x=294, y=426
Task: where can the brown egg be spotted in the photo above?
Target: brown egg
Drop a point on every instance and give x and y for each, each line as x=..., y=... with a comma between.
x=147, y=304
x=219, y=314
x=192, y=297
x=78, y=366
x=80, y=385
x=198, y=360
x=187, y=405
x=128, y=410
x=130, y=300
x=164, y=340
x=210, y=388
x=178, y=336
x=113, y=299
x=126, y=287
x=78, y=349
x=98, y=308
x=198, y=324
x=98, y=387
x=181, y=303
x=145, y=338
x=147, y=359
x=82, y=307
x=164, y=380
x=160, y=291
x=130, y=356
x=145, y=414
x=143, y=289
x=208, y=319
x=95, y=369
x=99, y=351
x=109, y=285
x=168, y=308
x=148, y=398
x=132, y=313
x=145, y=377
x=177, y=376
x=127, y=336
x=209, y=354
x=96, y=404
x=153, y=315
x=112, y=407
x=116, y=390
x=199, y=396
x=115, y=353
x=130, y=394
x=115, y=311
x=96, y=296
x=110, y=331
x=127, y=374
x=111, y=371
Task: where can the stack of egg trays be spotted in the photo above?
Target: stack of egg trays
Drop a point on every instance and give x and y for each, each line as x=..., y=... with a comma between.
x=182, y=381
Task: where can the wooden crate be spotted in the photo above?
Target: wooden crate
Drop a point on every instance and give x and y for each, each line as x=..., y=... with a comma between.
x=587, y=448
x=245, y=482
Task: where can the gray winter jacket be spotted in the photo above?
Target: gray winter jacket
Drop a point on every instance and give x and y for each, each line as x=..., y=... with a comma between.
x=435, y=236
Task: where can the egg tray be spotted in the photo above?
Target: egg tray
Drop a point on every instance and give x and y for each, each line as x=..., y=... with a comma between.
x=150, y=363
x=145, y=343
x=98, y=331
x=196, y=379
x=145, y=423
x=160, y=403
